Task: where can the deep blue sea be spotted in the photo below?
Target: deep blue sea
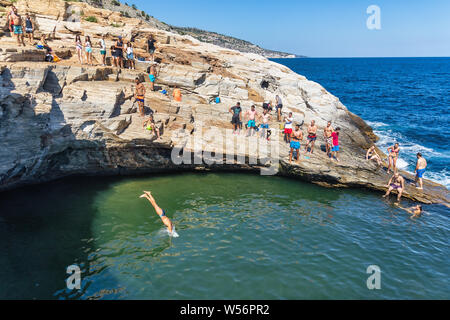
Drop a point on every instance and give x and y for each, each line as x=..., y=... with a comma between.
x=405, y=100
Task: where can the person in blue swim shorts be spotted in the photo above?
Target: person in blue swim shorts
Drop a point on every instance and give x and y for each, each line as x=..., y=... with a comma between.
x=421, y=168
x=160, y=212
x=296, y=138
x=251, y=124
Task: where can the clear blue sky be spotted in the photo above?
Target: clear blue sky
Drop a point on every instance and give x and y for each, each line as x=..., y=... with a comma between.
x=318, y=28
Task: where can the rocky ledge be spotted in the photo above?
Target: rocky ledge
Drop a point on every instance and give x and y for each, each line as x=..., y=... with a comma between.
x=64, y=119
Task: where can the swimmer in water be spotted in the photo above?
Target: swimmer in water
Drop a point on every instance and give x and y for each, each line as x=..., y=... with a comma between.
x=416, y=212
x=161, y=213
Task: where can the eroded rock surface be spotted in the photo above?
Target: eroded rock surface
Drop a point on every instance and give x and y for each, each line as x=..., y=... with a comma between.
x=64, y=119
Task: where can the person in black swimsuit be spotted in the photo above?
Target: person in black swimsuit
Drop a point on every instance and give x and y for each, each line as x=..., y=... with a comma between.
x=151, y=46
x=160, y=212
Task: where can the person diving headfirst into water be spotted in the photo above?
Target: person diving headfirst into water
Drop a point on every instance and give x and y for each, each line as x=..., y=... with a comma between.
x=160, y=212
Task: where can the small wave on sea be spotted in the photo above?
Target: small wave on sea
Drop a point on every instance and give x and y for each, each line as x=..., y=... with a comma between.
x=409, y=149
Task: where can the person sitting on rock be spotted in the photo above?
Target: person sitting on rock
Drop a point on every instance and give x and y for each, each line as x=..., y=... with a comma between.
x=397, y=182
x=251, y=116
x=150, y=125
x=372, y=155
x=18, y=29
x=140, y=96
x=177, y=94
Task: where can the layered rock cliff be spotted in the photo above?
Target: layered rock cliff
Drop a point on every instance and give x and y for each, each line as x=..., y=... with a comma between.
x=61, y=119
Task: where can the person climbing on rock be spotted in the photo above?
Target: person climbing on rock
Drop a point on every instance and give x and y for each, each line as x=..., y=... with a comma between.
x=296, y=137
x=393, y=157
x=160, y=212
x=236, y=119
x=312, y=137
x=327, y=135
x=397, y=182
x=372, y=155
x=140, y=96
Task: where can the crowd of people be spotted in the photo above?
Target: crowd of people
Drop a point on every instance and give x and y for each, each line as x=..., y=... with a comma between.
x=294, y=136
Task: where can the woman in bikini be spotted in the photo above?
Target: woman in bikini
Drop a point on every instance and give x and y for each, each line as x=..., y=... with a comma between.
x=373, y=155
x=88, y=47
x=160, y=212
x=393, y=157
x=79, y=45
x=396, y=183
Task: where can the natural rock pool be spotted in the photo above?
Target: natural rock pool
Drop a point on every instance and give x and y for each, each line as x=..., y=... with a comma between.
x=241, y=237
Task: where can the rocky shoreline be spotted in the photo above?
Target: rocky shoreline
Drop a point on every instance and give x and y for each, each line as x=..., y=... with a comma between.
x=59, y=120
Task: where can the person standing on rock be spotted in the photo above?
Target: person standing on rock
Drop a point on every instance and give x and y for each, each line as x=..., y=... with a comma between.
x=296, y=137
x=393, y=157
x=10, y=18
x=288, y=127
x=327, y=135
x=421, y=167
x=140, y=96
x=119, y=53
x=335, y=149
x=265, y=124
x=79, y=46
x=88, y=48
x=18, y=29
x=102, y=44
x=151, y=47
x=29, y=28
x=251, y=116
x=236, y=119
x=312, y=137
x=152, y=76
x=279, y=107
x=397, y=182
x=160, y=212
x=130, y=56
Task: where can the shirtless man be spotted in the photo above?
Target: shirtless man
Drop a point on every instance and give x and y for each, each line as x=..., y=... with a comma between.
x=140, y=96
x=396, y=183
x=160, y=212
x=150, y=125
x=18, y=29
x=296, y=138
x=312, y=137
x=373, y=156
x=393, y=157
x=327, y=135
x=421, y=167
x=152, y=77
x=265, y=124
x=251, y=124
